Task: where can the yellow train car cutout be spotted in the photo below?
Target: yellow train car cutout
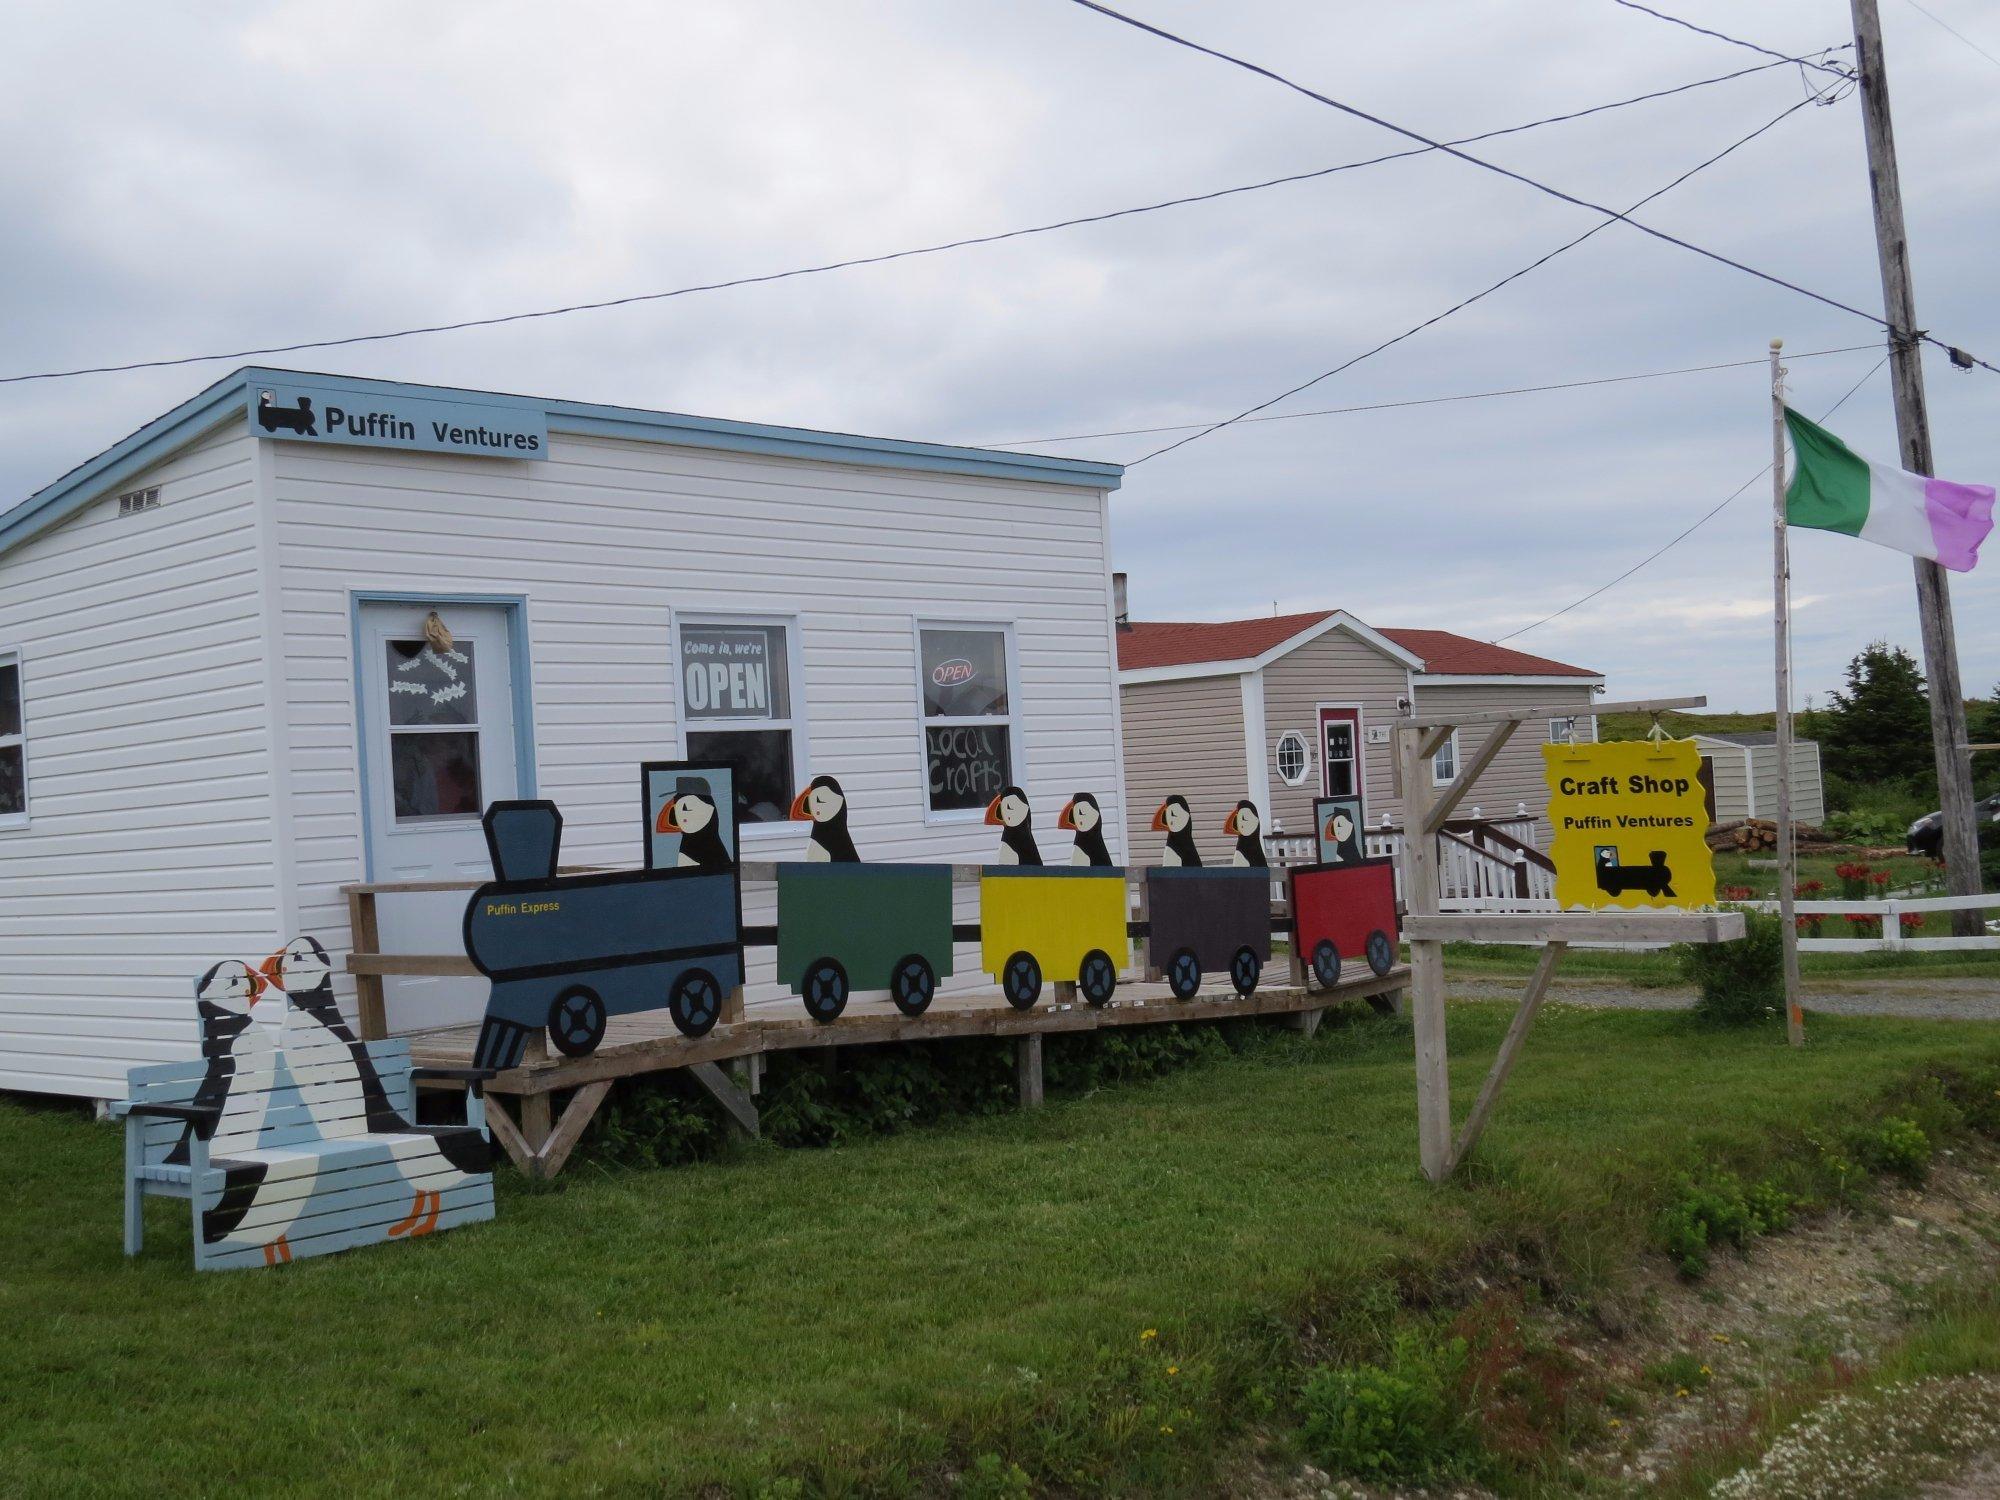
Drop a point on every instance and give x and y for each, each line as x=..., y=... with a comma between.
x=1061, y=923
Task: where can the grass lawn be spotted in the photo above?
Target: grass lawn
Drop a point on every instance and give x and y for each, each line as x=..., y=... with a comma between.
x=870, y=1316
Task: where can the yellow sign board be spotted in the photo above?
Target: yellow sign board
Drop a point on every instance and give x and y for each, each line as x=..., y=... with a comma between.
x=1629, y=818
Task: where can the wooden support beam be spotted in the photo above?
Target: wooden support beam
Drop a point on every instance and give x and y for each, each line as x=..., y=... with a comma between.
x=1420, y=893
x=1538, y=927
x=1433, y=742
x=569, y=1129
x=367, y=938
x=1551, y=711
x=1510, y=1052
x=1028, y=1069
x=535, y=1122
x=1468, y=773
x=737, y=1106
x=508, y=1134
x=1306, y=1021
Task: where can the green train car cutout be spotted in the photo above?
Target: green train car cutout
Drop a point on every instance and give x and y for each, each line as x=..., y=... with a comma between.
x=843, y=927
x=1063, y=922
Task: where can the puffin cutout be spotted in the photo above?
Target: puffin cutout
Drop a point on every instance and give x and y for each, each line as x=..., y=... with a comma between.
x=321, y=1050
x=824, y=805
x=1244, y=823
x=691, y=813
x=1010, y=813
x=1082, y=817
x=1340, y=831
x=1174, y=819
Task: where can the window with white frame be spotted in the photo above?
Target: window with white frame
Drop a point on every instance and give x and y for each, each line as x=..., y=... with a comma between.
x=1294, y=757
x=737, y=705
x=968, y=714
x=13, y=743
x=1444, y=764
x=1563, y=731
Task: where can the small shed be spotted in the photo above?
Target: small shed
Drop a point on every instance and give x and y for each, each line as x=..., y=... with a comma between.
x=1742, y=770
x=297, y=632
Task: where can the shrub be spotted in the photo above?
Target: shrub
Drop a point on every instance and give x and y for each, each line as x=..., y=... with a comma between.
x=1897, y=1146
x=1718, y=1211
x=1401, y=1420
x=1739, y=983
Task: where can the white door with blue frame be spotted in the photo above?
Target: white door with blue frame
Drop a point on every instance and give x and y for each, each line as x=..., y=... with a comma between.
x=437, y=746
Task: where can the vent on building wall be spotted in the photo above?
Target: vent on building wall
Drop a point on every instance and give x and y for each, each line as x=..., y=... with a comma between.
x=138, y=500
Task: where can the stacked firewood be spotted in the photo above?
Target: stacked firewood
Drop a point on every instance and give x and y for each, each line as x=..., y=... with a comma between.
x=1754, y=834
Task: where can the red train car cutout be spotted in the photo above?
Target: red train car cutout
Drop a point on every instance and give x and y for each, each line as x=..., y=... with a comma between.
x=1342, y=912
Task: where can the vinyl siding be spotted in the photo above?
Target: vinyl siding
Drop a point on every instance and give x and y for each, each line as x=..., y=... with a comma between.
x=608, y=537
x=149, y=853
x=1184, y=736
x=1333, y=669
x=1731, y=801
x=1516, y=775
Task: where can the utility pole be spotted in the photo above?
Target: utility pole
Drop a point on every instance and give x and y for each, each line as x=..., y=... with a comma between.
x=1781, y=592
x=1913, y=433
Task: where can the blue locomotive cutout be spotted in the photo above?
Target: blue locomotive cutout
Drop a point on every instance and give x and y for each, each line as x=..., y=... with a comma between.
x=565, y=953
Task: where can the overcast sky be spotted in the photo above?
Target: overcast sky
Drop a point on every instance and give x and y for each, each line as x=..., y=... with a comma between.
x=189, y=179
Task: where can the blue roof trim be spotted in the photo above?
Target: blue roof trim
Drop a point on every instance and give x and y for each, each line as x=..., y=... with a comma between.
x=228, y=398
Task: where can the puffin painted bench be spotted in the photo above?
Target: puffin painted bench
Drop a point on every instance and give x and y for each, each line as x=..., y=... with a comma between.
x=296, y=1140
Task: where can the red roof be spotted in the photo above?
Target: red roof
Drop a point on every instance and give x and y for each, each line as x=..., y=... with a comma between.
x=1460, y=655
x=1177, y=643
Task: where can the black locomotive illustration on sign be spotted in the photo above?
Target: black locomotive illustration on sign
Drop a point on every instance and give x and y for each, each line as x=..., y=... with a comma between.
x=275, y=418
x=1653, y=877
x=567, y=952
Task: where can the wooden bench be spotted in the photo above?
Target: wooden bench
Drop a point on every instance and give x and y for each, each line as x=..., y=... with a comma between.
x=298, y=1148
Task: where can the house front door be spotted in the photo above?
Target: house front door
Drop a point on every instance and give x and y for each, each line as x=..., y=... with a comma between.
x=1341, y=773
x=438, y=746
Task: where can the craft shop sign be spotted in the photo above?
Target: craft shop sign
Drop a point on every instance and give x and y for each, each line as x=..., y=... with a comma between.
x=327, y=414
x=1630, y=821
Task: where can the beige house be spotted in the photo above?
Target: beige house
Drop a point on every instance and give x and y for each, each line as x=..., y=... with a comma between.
x=1288, y=708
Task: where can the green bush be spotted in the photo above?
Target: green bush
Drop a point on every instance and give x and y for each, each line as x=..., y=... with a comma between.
x=1718, y=1211
x=1739, y=983
x=1897, y=1146
x=1402, y=1420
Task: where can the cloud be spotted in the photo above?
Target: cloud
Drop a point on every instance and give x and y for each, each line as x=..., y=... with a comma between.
x=243, y=174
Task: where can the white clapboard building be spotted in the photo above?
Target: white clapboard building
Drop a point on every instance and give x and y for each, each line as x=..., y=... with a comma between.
x=216, y=707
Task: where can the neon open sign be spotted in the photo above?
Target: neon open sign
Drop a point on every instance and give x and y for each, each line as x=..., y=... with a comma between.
x=952, y=673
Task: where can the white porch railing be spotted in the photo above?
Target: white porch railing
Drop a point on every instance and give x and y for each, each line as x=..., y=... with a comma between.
x=1889, y=912
x=1484, y=864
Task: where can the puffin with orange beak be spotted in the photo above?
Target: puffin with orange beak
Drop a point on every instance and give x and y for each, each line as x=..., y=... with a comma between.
x=1244, y=823
x=691, y=813
x=1010, y=813
x=1176, y=820
x=824, y=805
x=1082, y=817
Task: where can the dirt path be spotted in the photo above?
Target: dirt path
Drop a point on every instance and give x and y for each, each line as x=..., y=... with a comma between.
x=1928, y=999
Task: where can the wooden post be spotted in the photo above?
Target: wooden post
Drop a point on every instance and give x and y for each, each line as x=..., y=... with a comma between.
x=1420, y=896
x=1781, y=593
x=536, y=1124
x=366, y=937
x=1913, y=433
x=1028, y=1068
x=737, y=1107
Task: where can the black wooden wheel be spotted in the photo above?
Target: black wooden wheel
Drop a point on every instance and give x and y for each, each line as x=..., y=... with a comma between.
x=1097, y=977
x=1244, y=968
x=1183, y=973
x=1021, y=980
x=1326, y=963
x=695, y=1002
x=824, y=989
x=912, y=983
x=576, y=1021
x=1381, y=952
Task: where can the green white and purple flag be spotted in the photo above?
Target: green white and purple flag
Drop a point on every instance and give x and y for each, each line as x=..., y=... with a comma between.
x=1834, y=488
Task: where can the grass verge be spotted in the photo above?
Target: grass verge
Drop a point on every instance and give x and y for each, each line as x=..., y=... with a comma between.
x=1117, y=1292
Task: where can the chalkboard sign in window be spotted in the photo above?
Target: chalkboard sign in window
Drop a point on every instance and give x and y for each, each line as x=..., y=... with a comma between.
x=736, y=695
x=968, y=715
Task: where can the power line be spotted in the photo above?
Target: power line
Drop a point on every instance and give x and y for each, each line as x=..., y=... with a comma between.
x=1737, y=41
x=1705, y=519
x=1459, y=306
x=872, y=260
x=1356, y=112
x=1341, y=411
x=1941, y=21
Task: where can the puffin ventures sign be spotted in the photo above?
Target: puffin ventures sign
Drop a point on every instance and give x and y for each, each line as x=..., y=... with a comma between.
x=424, y=424
x=1629, y=818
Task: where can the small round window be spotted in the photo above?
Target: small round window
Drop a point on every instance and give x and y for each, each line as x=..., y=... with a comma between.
x=1294, y=759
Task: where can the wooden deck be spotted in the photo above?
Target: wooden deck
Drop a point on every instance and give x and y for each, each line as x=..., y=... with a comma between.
x=648, y=1043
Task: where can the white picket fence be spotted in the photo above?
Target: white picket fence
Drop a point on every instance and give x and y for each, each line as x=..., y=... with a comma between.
x=1889, y=913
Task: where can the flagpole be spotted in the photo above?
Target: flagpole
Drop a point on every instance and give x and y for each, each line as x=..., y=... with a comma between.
x=1795, y=1021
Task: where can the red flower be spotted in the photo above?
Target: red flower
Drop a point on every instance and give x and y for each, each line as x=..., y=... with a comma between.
x=1911, y=921
x=1880, y=877
x=1856, y=919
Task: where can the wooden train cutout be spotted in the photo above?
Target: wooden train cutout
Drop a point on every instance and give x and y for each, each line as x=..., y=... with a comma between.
x=565, y=953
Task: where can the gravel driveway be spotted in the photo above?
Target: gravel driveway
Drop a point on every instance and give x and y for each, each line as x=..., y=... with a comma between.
x=1936, y=999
